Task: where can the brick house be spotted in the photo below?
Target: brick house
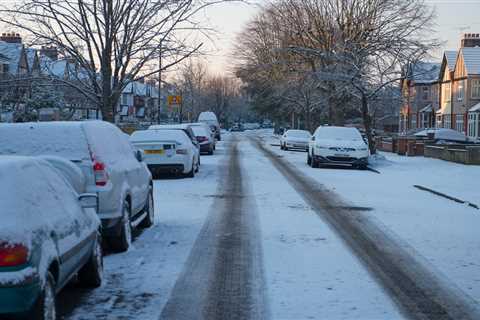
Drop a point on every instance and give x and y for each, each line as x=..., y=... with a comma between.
x=460, y=88
x=419, y=87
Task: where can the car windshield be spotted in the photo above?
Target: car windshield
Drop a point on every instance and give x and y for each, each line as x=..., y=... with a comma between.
x=339, y=133
x=298, y=134
x=199, y=131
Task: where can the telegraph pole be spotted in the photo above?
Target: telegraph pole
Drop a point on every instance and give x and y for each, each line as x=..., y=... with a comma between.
x=159, y=82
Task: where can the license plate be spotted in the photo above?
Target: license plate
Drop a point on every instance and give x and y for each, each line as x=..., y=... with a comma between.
x=341, y=155
x=160, y=151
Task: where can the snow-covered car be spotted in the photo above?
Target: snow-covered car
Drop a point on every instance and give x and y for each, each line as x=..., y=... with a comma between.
x=205, y=138
x=337, y=146
x=48, y=234
x=112, y=169
x=210, y=118
x=295, y=139
x=442, y=134
x=185, y=127
x=169, y=151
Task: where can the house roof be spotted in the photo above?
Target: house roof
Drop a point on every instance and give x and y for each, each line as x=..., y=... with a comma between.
x=451, y=57
x=12, y=51
x=475, y=108
x=424, y=72
x=471, y=58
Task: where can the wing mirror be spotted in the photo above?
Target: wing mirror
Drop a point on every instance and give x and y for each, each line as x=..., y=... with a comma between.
x=139, y=155
x=88, y=200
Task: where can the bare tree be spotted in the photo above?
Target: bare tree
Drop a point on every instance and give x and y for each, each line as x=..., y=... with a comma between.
x=114, y=42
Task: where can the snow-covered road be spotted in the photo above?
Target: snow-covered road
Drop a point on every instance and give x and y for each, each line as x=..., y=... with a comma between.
x=242, y=239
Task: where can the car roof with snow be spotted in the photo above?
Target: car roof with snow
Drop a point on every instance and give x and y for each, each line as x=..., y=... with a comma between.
x=207, y=116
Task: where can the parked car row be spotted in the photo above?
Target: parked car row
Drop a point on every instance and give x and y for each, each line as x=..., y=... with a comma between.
x=66, y=187
x=334, y=146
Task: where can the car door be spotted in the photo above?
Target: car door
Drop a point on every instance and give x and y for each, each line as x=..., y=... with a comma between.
x=67, y=227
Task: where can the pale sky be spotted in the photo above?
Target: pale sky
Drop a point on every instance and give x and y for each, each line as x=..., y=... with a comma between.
x=454, y=17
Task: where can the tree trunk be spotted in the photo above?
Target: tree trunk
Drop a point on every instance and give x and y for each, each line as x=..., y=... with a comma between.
x=367, y=123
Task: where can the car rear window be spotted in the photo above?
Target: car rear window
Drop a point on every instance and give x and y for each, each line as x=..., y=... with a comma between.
x=200, y=131
x=65, y=140
x=298, y=134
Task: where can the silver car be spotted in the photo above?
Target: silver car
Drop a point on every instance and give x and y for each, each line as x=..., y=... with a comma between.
x=112, y=168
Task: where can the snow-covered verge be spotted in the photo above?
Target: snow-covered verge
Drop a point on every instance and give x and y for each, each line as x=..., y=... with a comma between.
x=443, y=233
x=138, y=283
x=310, y=273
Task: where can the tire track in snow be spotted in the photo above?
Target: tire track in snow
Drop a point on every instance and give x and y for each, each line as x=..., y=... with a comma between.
x=223, y=276
x=418, y=291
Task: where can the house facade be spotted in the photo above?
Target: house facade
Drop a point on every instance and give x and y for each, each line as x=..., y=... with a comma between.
x=460, y=88
x=419, y=87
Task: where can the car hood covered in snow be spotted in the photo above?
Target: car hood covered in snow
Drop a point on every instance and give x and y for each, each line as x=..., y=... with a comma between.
x=340, y=143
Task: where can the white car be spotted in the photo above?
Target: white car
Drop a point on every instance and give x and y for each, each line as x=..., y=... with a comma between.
x=167, y=151
x=112, y=169
x=337, y=146
x=185, y=127
x=210, y=118
x=295, y=139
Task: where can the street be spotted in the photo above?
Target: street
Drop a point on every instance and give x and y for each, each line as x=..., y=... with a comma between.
x=254, y=238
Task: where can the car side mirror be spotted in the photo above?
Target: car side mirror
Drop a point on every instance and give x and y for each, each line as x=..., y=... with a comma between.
x=139, y=155
x=88, y=200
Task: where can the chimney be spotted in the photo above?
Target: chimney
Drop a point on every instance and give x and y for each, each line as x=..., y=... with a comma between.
x=11, y=37
x=470, y=40
x=50, y=52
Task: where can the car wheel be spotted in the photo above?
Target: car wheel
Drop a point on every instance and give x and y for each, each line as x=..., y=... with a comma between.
x=210, y=152
x=191, y=173
x=149, y=219
x=45, y=306
x=91, y=274
x=124, y=240
x=314, y=162
x=309, y=159
x=363, y=167
x=285, y=148
x=281, y=146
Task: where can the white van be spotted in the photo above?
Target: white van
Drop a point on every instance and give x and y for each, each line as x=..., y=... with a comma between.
x=210, y=118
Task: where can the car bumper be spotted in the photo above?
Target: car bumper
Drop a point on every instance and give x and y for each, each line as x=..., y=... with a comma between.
x=296, y=145
x=207, y=147
x=19, y=298
x=166, y=168
x=347, y=161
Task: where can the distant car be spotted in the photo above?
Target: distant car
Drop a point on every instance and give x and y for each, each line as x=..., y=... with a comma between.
x=112, y=169
x=337, y=146
x=207, y=143
x=167, y=151
x=211, y=119
x=48, y=235
x=185, y=127
x=237, y=127
x=295, y=139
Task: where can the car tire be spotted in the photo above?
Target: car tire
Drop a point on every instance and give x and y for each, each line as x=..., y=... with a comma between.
x=281, y=146
x=210, y=152
x=149, y=219
x=45, y=306
x=91, y=274
x=191, y=173
x=309, y=159
x=362, y=167
x=314, y=162
x=285, y=148
x=122, y=242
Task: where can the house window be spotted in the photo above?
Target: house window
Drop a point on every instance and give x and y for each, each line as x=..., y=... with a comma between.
x=474, y=125
x=476, y=89
x=124, y=98
x=447, y=121
x=460, y=91
x=459, y=123
x=425, y=93
x=439, y=121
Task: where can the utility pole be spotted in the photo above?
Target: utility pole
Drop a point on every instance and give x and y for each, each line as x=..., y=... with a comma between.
x=159, y=82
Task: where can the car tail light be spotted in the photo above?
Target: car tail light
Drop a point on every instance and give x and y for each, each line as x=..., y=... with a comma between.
x=100, y=173
x=181, y=151
x=13, y=255
x=201, y=139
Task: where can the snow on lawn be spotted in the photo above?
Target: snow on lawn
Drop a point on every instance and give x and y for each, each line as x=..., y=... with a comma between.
x=138, y=282
x=310, y=274
x=443, y=232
